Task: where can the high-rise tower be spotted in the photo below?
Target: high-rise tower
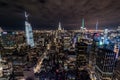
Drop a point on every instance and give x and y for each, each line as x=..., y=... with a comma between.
x=105, y=63
x=83, y=23
x=83, y=26
x=97, y=26
x=29, y=33
x=59, y=27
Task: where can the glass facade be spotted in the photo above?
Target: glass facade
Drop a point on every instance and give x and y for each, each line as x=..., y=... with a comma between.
x=29, y=34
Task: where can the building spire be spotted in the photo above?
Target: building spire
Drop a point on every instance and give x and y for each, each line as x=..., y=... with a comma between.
x=26, y=16
x=83, y=23
x=97, y=26
x=28, y=32
x=59, y=27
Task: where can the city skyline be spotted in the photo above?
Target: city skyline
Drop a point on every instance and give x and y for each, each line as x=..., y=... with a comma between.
x=59, y=54
x=46, y=14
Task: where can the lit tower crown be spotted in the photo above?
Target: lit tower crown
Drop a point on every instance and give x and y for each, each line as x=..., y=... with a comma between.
x=59, y=27
x=26, y=16
x=29, y=33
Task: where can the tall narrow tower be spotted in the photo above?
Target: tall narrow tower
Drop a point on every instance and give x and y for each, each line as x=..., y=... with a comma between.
x=29, y=33
x=83, y=23
x=97, y=26
x=83, y=26
x=59, y=27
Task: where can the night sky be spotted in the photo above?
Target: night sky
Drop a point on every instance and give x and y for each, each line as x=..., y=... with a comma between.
x=45, y=14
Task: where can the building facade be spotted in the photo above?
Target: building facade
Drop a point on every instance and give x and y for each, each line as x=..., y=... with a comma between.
x=105, y=62
x=29, y=32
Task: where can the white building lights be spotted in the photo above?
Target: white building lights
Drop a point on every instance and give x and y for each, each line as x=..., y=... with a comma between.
x=29, y=33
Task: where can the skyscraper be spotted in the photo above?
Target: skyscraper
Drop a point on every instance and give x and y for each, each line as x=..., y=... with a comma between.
x=83, y=28
x=117, y=70
x=105, y=41
x=59, y=27
x=105, y=62
x=97, y=26
x=83, y=24
x=29, y=33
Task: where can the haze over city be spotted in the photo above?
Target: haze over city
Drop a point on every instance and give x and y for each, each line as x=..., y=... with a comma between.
x=45, y=14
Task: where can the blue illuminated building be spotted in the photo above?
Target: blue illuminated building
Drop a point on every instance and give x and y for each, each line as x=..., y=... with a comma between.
x=29, y=33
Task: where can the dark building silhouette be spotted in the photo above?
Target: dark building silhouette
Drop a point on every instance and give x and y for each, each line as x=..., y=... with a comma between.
x=105, y=62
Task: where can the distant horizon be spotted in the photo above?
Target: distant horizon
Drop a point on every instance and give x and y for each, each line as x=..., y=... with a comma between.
x=47, y=14
x=55, y=28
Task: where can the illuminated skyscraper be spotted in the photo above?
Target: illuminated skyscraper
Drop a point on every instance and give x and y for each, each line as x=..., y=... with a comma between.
x=97, y=26
x=29, y=33
x=106, y=36
x=116, y=50
x=83, y=23
x=83, y=28
x=59, y=27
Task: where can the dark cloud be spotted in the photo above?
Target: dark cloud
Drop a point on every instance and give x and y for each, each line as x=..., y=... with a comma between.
x=45, y=14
